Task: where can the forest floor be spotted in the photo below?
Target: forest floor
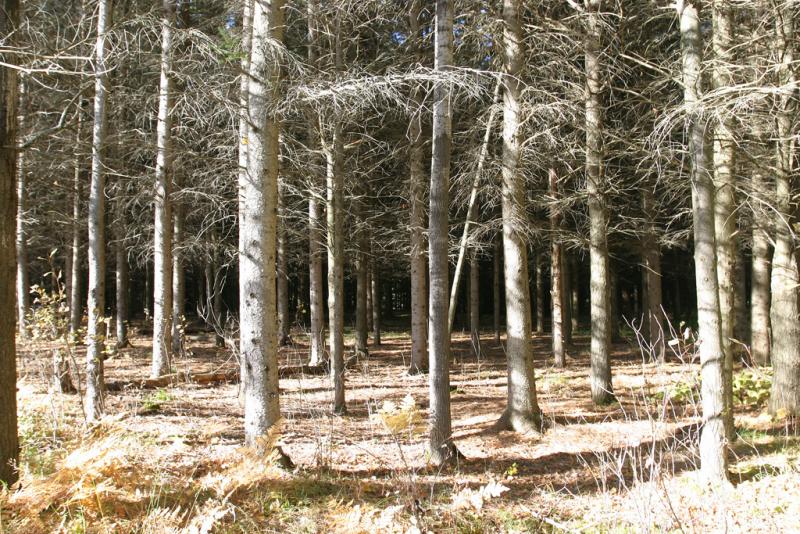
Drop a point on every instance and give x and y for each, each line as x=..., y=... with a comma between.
x=170, y=459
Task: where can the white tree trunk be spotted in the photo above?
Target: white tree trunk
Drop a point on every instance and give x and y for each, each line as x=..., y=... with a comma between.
x=258, y=214
x=23, y=280
x=713, y=454
x=95, y=334
x=522, y=413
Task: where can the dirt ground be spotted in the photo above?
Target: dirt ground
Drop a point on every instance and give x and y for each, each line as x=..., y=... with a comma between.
x=169, y=459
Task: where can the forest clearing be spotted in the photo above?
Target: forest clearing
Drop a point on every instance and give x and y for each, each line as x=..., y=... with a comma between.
x=399, y=266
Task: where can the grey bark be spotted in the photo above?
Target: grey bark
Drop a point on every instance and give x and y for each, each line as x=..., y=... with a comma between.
x=23, y=280
x=496, y=269
x=651, y=256
x=75, y=300
x=475, y=303
x=284, y=321
x=539, y=271
x=121, y=274
x=760, y=280
x=713, y=450
x=375, y=289
x=178, y=278
x=556, y=298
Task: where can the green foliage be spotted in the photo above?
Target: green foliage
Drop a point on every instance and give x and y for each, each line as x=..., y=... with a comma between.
x=751, y=388
x=48, y=318
x=229, y=46
x=40, y=446
x=154, y=401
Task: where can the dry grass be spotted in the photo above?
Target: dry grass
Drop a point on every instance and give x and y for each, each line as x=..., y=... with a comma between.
x=170, y=460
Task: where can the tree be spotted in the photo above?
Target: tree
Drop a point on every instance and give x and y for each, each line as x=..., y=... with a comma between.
x=556, y=277
x=713, y=457
x=95, y=333
x=442, y=450
x=9, y=442
x=522, y=413
x=258, y=194
x=162, y=246
x=23, y=280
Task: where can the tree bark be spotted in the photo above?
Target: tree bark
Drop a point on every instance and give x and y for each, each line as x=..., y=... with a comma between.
x=651, y=256
x=602, y=392
x=784, y=313
x=75, y=297
x=556, y=298
x=441, y=447
x=258, y=214
x=375, y=289
x=418, y=261
x=725, y=199
x=574, y=294
x=284, y=321
x=23, y=280
x=121, y=274
x=539, y=270
x=93, y=402
x=522, y=414
x=162, y=232
x=361, y=333
x=496, y=269
x=178, y=279
x=760, y=280
x=713, y=450
x=475, y=303
x=566, y=291
x=9, y=442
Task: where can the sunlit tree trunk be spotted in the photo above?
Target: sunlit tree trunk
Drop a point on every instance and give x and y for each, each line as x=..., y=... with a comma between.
x=258, y=220
x=441, y=447
x=417, y=179
x=725, y=199
x=713, y=453
x=556, y=298
x=566, y=304
x=9, y=442
x=602, y=392
x=23, y=280
x=162, y=231
x=760, y=280
x=121, y=274
x=75, y=297
x=522, y=413
x=784, y=314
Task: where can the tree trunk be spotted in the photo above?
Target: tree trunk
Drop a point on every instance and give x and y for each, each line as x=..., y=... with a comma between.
x=522, y=413
x=258, y=214
x=369, y=292
x=178, y=280
x=574, y=294
x=475, y=303
x=418, y=261
x=713, y=453
x=566, y=291
x=556, y=298
x=725, y=200
x=784, y=314
x=284, y=321
x=361, y=292
x=93, y=402
x=539, y=270
x=162, y=232
x=121, y=274
x=9, y=442
x=75, y=297
x=442, y=450
x=651, y=254
x=23, y=281
x=760, y=291
x=602, y=392
x=335, y=194
x=496, y=268
x=375, y=289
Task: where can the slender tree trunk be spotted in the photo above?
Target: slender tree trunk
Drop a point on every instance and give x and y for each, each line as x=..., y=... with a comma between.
x=784, y=314
x=522, y=413
x=220, y=316
x=375, y=289
x=335, y=190
x=284, y=321
x=23, y=280
x=442, y=450
x=418, y=261
x=178, y=279
x=566, y=291
x=369, y=292
x=652, y=277
x=760, y=291
x=121, y=274
x=602, y=392
x=713, y=451
x=574, y=294
x=9, y=442
x=361, y=293
x=258, y=220
x=475, y=303
x=162, y=246
x=75, y=298
x=725, y=200
x=497, y=267
x=556, y=298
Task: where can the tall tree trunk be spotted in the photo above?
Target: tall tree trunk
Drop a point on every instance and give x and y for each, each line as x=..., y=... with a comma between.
x=566, y=291
x=539, y=270
x=335, y=190
x=651, y=253
x=556, y=298
x=475, y=303
x=284, y=321
x=760, y=280
x=522, y=413
x=369, y=292
x=162, y=232
x=713, y=450
x=361, y=290
x=442, y=450
x=574, y=293
x=602, y=392
x=9, y=442
x=784, y=314
x=23, y=280
x=725, y=199
x=121, y=273
x=178, y=278
x=375, y=289
x=75, y=297
x=93, y=403
x=418, y=261
x=496, y=268
x=258, y=214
